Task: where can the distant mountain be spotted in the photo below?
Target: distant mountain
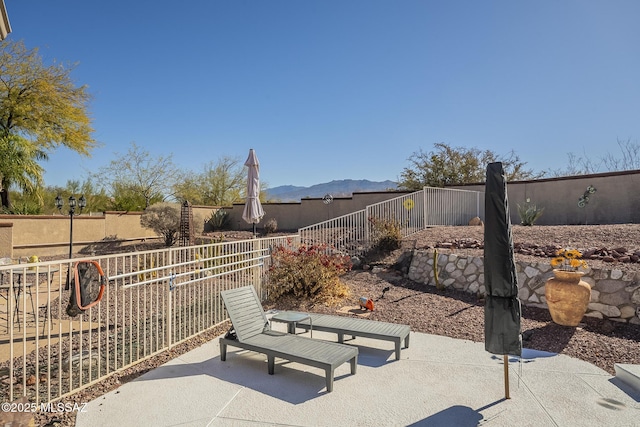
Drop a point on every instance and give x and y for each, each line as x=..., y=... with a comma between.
x=337, y=188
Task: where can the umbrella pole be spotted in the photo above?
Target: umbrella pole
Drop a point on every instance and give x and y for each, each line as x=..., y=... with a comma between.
x=506, y=377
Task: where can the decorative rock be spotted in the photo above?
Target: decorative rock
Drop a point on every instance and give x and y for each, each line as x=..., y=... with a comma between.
x=85, y=359
x=610, y=286
x=544, y=267
x=31, y=380
x=471, y=269
x=616, y=274
x=607, y=310
x=531, y=272
x=595, y=295
x=616, y=299
x=475, y=221
x=627, y=312
x=595, y=314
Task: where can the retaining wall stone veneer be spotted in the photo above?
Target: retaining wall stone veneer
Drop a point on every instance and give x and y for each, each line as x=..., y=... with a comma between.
x=615, y=294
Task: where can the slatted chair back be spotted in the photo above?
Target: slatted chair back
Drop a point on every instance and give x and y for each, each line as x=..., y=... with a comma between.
x=245, y=312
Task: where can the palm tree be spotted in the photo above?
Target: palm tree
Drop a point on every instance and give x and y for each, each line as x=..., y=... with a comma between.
x=19, y=166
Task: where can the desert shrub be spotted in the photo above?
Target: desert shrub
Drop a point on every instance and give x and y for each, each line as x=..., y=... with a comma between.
x=164, y=219
x=22, y=208
x=529, y=213
x=307, y=272
x=385, y=234
x=270, y=226
x=219, y=220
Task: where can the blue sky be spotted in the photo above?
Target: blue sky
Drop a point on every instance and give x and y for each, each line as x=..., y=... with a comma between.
x=329, y=89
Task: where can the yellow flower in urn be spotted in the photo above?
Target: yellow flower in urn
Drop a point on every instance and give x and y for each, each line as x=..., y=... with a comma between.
x=567, y=296
x=568, y=260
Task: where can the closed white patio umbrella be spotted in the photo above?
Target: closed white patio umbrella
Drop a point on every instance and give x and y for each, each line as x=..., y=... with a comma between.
x=253, y=211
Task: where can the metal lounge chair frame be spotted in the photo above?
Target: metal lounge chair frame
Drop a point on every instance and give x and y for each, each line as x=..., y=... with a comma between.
x=252, y=332
x=357, y=327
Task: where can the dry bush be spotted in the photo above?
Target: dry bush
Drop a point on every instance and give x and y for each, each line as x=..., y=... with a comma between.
x=308, y=272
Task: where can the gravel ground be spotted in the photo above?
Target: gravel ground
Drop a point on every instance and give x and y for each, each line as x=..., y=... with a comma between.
x=450, y=313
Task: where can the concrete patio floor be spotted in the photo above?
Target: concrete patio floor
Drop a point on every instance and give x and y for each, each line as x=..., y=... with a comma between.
x=439, y=381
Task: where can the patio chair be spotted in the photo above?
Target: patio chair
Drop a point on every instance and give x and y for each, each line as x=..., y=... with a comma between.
x=357, y=327
x=251, y=331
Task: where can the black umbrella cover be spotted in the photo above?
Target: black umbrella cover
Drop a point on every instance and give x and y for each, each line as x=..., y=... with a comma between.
x=502, y=307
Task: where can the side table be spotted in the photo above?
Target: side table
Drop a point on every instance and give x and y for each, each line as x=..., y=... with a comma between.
x=291, y=318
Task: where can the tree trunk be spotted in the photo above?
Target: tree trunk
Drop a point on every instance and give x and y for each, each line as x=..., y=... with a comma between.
x=4, y=195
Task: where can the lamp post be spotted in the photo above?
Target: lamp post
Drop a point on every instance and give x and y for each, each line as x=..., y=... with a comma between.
x=81, y=204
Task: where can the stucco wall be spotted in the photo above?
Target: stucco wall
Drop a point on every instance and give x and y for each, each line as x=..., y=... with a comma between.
x=616, y=200
x=44, y=235
x=6, y=239
x=295, y=215
x=49, y=234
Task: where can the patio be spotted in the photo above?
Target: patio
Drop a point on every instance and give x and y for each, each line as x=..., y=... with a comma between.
x=439, y=381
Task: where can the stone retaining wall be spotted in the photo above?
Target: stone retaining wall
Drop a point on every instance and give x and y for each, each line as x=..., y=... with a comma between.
x=615, y=295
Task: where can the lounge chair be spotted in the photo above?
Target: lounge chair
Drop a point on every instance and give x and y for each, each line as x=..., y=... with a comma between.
x=251, y=331
x=357, y=327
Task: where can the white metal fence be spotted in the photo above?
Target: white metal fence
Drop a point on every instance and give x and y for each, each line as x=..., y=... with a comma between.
x=357, y=232
x=153, y=300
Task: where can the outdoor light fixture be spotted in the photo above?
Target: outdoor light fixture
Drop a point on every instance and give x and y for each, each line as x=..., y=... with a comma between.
x=73, y=203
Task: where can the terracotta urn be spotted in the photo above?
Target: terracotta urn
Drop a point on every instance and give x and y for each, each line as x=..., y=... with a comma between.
x=567, y=297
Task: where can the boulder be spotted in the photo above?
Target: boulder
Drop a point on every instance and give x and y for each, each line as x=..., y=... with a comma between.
x=476, y=221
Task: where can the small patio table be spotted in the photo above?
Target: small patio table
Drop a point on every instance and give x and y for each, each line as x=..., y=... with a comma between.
x=291, y=318
x=18, y=286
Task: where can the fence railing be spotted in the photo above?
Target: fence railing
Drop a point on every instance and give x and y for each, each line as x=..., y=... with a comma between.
x=356, y=233
x=153, y=301
x=449, y=206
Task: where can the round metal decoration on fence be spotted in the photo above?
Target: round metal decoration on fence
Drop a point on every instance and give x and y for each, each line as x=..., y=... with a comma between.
x=328, y=198
x=408, y=204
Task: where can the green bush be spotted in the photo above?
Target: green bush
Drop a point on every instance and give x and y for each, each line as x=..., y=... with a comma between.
x=219, y=220
x=529, y=213
x=308, y=272
x=385, y=234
